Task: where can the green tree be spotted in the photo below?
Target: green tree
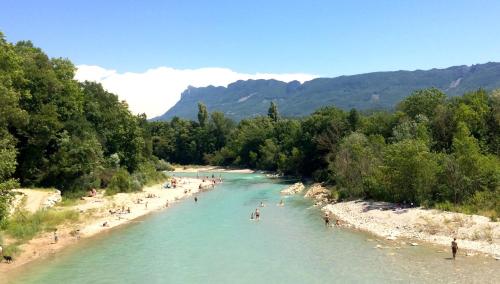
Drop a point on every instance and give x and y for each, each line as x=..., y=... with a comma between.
x=272, y=112
x=268, y=153
x=354, y=119
x=202, y=114
x=422, y=102
x=354, y=163
x=11, y=117
x=471, y=171
x=409, y=172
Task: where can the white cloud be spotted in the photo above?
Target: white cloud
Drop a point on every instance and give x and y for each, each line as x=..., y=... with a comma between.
x=156, y=90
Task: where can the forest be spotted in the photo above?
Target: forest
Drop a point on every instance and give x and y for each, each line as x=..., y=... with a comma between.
x=57, y=132
x=432, y=150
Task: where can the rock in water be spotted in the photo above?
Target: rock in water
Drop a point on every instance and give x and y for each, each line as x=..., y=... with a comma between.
x=293, y=189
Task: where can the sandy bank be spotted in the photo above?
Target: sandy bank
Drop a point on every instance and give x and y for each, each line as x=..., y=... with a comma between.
x=474, y=233
x=112, y=210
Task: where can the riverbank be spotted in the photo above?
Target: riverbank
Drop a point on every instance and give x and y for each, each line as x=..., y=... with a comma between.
x=102, y=213
x=195, y=168
x=410, y=226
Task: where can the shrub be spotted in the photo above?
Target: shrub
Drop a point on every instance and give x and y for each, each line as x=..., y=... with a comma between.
x=334, y=194
x=120, y=182
x=162, y=165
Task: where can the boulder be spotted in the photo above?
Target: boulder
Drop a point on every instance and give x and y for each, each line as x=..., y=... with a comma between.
x=52, y=199
x=318, y=192
x=293, y=189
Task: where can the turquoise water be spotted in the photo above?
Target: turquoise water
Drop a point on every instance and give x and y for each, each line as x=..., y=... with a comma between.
x=213, y=241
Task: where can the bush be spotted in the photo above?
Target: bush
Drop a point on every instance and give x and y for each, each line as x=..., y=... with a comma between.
x=147, y=174
x=162, y=165
x=445, y=206
x=334, y=194
x=120, y=182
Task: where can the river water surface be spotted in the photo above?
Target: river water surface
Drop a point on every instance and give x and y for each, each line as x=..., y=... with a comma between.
x=213, y=241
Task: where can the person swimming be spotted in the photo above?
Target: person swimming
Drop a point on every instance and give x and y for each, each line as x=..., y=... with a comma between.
x=195, y=199
x=261, y=204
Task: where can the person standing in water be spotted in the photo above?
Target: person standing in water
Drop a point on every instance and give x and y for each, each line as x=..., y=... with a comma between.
x=327, y=219
x=257, y=214
x=454, y=247
x=251, y=216
x=261, y=204
x=195, y=199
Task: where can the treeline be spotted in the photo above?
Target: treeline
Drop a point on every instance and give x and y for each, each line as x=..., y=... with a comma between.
x=431, y=151
x=57, y=132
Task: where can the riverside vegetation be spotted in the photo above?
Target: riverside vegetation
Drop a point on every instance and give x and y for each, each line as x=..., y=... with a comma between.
x=56, y=132
x=431, y=150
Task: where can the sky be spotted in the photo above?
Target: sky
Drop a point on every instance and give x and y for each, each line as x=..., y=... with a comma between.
x=147, y=52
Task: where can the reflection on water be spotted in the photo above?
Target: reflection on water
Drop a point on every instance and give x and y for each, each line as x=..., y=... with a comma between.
x=213, y=241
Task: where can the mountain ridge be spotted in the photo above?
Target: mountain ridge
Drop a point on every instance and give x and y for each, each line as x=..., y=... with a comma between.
x=374, y=90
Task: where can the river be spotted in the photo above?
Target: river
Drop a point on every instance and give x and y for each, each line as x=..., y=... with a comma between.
x=214, y=241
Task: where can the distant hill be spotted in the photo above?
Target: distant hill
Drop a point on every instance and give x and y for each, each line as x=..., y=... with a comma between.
x=378, y=90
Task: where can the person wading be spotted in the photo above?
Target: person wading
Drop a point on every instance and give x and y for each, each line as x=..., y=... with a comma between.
x=454, y=247
x=327, y=219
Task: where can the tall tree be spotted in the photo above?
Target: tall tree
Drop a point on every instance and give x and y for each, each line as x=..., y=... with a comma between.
x=354, y=119
x=202, y=114
x=272, y=112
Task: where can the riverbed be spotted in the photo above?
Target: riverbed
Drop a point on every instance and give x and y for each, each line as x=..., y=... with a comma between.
x=214, y=241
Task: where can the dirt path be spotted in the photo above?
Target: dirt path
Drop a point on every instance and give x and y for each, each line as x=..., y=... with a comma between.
x=35, y=198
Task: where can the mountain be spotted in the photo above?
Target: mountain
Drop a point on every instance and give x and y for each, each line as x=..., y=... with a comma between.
x=378, y=90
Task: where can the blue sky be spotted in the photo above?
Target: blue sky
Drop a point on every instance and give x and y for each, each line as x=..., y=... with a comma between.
x=318, y=37
x=132, y=46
